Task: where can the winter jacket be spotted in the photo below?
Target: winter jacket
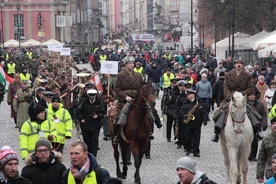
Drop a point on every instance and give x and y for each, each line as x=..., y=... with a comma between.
x=93, y=165
x=30, y=133
x=204, y=89
x=47, y=173
x=62, y=121
x=87, y=110
x=200, y=178
x=218, y=89
x=242, y=83
x=16, y=180
x=154, y=74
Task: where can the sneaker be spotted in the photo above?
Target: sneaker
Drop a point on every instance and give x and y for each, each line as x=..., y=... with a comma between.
x=215, y=138
x=116, y=140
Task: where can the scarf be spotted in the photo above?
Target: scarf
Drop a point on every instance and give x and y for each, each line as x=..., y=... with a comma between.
x=80, y=174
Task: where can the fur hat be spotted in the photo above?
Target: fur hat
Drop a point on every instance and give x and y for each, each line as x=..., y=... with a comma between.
x=186, y=163
x=42, y=141
x=6, y=155
x=203, y=70
x=128, y=59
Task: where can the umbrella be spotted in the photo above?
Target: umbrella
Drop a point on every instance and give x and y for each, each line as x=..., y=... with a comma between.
x=51, y=41
x=11, y=43
x=31, y=42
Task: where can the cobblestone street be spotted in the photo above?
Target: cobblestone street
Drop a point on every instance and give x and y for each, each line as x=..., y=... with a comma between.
x=160, y=168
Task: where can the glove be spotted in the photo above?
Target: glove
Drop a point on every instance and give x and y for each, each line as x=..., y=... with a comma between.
x=67, y=137
x=264, y=127
x=50, y=138
x=204, y=123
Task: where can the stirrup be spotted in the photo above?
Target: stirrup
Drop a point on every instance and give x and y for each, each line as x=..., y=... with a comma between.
x=116, y=140
x=151, y=137
x=215, y=138
x=259, y=136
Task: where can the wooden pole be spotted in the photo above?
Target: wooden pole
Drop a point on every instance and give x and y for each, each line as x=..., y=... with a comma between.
x=108, y=91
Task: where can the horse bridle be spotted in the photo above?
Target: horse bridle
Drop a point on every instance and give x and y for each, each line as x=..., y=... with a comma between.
x=146, y=99
x=237, y=121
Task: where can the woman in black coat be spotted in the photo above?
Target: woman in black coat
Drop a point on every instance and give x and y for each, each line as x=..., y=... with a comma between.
x=218, y=89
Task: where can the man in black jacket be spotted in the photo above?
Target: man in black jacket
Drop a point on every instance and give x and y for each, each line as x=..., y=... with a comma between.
x=90, y=113
x=8, y=167
x=44, y=166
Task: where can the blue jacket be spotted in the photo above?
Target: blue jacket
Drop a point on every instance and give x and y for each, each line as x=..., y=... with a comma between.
x=270, y=181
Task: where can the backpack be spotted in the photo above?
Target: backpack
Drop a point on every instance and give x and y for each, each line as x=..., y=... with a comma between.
x=206, y=180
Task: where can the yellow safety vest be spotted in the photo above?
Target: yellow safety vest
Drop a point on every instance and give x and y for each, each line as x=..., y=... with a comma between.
x=11, y=68
x=7, y=56
x=103, y=58
x=29, y=134
x=25, y=77
x=167, y=80
x=90, y=178
x=62, y=121
x=138, y=70
x=167, y=57
x=30, y=55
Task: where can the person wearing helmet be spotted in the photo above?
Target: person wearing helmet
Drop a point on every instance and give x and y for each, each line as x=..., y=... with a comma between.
x=235, y=80
x=90, y=113
x=127, y=84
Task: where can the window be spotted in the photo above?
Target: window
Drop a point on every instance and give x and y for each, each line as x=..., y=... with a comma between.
x=18, y=26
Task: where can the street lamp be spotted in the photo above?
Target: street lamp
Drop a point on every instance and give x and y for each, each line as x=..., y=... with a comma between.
x=18, y=23
x=2, y=4
x=192, y=25
x=233, y=27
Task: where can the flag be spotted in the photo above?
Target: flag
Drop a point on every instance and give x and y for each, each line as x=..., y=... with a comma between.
x=96, y=80
x=5, y=79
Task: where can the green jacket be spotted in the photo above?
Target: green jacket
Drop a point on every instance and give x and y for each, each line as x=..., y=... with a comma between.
x=267, y=150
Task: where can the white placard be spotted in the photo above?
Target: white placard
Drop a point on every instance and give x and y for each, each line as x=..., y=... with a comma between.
x=57, y=47
x=50, y=47
x=65, y=51
x=109, y=67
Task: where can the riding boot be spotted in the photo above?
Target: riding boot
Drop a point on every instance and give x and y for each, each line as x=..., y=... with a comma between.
x=116, y=139
x=257, y=133
x=215, y=137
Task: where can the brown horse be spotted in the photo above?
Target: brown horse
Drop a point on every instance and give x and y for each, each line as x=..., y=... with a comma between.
x=135, y=133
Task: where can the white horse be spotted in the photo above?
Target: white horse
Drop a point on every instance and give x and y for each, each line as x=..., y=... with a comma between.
x=236, y=139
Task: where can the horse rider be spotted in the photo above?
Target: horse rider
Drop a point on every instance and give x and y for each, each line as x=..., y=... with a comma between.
x=127, y=84
x=236, y=80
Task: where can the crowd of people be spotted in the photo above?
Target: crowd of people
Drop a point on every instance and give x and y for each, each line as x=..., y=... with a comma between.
x=47, y=98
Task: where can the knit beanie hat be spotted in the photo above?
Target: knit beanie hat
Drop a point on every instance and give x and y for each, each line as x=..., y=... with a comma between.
x=42, y=141
x=35, y=110
x=56, y=99
x=186, y=163
x=203, y=75
x=6, y=155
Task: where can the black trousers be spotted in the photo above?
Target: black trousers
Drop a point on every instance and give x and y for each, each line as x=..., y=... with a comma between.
x=91, y=138
x=254, y=147
x=170, y=121
x=192, y=137
x=181, y=134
